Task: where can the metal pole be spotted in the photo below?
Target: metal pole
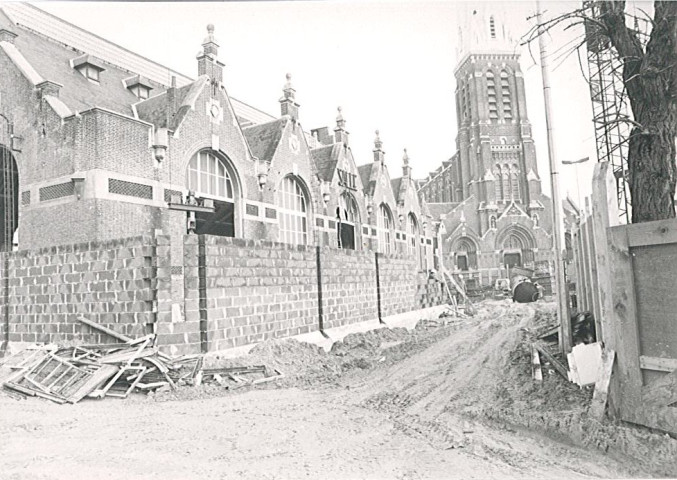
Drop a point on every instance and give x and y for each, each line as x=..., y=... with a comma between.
x=562, y=306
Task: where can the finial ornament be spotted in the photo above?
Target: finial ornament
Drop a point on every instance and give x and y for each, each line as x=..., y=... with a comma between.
x=340, y=122
x=377, y=141
x=210, y=29
x=288, y=90
x=405, y=158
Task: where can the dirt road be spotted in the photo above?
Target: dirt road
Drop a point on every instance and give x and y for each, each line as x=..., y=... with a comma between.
x=412, y=411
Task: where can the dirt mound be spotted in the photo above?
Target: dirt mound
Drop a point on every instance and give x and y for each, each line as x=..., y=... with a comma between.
x=555, y=406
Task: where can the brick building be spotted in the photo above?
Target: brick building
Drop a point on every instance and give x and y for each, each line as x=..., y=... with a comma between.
x=111, y=144
x=488, y=194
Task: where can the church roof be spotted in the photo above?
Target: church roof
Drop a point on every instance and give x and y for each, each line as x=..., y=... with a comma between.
x=264, y=139
x=437, y=209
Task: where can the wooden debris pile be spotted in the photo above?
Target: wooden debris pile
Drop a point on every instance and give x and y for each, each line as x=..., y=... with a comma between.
x=69, y=374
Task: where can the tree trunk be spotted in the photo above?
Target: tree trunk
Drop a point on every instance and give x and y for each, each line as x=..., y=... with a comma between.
x=651, y=166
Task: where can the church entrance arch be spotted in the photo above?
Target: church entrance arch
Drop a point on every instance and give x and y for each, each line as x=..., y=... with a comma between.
x=516, y=245
x=9, y=198
x=465, y=252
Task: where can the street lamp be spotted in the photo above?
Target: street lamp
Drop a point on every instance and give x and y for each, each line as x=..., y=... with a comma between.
x=578, y=189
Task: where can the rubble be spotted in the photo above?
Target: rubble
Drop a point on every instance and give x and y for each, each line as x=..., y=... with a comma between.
x=67, y=374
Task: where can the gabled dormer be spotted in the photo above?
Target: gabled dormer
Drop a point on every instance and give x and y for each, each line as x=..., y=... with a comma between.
x=139, y=86
x=89, y=66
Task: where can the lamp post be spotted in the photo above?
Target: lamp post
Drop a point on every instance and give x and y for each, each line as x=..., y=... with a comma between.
x=563, y=318
x=578, y=188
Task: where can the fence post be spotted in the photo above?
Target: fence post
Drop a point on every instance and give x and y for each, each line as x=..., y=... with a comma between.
x=604, y=215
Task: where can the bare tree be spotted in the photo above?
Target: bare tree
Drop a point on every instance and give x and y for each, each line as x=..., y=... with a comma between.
x=650, y=80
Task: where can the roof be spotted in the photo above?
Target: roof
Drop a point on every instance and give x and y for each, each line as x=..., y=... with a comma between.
x=395, y=183
x=365, y=174
x=49, y=43
x=437, y=209
x=326, y=159
x=263, y=139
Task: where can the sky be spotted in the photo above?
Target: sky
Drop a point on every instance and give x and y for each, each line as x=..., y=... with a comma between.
x=388, y=64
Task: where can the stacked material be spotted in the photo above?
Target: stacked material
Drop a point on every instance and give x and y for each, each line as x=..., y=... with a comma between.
x=69, y=374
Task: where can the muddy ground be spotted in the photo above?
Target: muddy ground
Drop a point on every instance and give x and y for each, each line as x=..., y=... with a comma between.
x=451, y=399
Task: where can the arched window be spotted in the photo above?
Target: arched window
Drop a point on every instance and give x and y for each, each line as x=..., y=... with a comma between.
x=491, y=96
x=385, y=225
x=505, y=95
x=9, y=199
x=515, y=185
x=535, y=219
x=348, y=216
x=293, y=212
x=498, y=175
x=505, y=180
x=492, y=221
x=414, y=241
x=208, y=177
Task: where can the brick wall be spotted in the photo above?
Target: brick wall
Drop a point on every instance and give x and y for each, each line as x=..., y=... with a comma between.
x=234, y=292
x=111, y=283
x=239, y=292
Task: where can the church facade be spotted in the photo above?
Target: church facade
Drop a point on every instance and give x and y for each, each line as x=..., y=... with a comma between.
x=487, y=196
x=100, y=143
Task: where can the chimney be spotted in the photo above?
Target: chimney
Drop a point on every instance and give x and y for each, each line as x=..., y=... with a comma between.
x=340, y=132
x=379, y=154
x=288, y=105
x=7, y=35
x=323, y=135
x=207, y=62
x=49, y=88
x=406, y=169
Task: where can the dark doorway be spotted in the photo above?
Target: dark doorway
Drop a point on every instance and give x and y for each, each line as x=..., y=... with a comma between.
x=9, y=199
x=512, y=260
x=220, y=223
x=347, y=236
x=462, y=262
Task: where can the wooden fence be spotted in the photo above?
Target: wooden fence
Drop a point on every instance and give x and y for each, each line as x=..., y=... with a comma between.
x=627, y=276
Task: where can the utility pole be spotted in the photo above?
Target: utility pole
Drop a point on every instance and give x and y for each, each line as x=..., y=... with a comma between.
x=562, y=294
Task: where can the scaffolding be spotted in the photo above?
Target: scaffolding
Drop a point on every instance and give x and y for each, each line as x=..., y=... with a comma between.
x=610, y=105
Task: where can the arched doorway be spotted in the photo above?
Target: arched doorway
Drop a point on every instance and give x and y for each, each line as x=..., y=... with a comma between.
x=466, y=254
x=211, y=177
x=347, y=217
x=516, y=245
x=9, y=198
x=415, y=246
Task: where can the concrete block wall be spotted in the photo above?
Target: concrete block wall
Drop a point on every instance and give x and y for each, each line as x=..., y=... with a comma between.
x=348, y=287
x=258, y=290
x=111, y=283
x=398, y=278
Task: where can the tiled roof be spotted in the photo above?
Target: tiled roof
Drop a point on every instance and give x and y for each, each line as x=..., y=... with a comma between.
x=437, y=209
x=264, y=139
x=49, y=43
x=395, y=183
x=326, y=159
x=365, y=175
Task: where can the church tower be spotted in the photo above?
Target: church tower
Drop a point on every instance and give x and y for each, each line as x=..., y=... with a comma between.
x=496, y=158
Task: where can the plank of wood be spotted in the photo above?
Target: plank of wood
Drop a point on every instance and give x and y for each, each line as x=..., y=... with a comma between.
x=652, y=233
x=101, y=328
x=601, y=393
x=125, y=357
x=550, y=358
x=658, y=364
x=92, y=383
x=662, y=391
x=536, y=372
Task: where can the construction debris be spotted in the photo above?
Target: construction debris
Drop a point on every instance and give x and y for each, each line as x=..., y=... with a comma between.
x=69, y=374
